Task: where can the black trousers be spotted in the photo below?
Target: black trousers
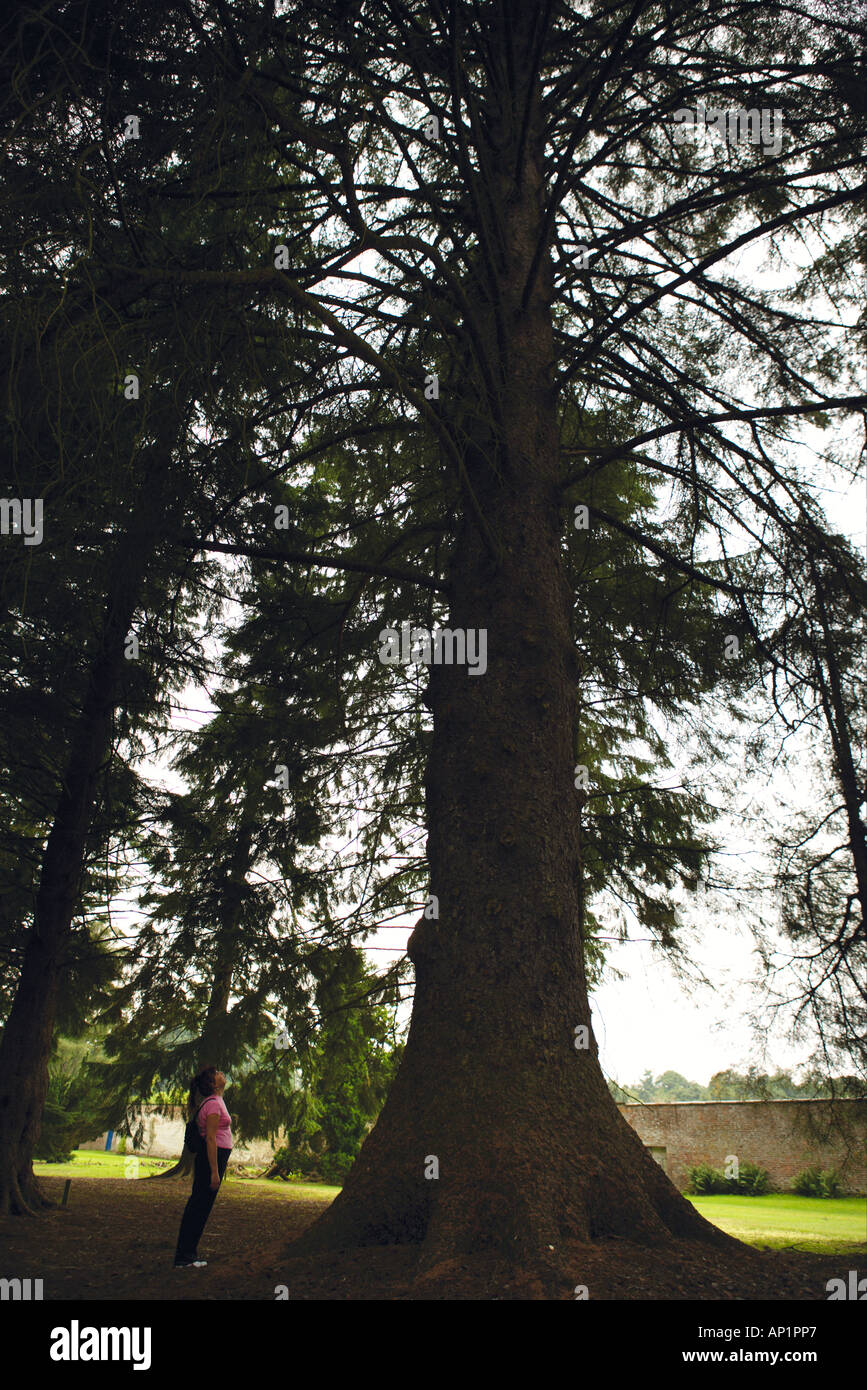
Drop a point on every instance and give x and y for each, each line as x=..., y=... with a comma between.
x=198, y=1208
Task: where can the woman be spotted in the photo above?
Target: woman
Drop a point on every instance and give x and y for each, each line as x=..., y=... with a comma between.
x=215, y=1126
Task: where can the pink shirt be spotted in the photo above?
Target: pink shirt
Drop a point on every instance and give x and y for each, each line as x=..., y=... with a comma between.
x=215, y=1105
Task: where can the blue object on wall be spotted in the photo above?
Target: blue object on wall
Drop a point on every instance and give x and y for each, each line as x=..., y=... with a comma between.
x=108, y=1140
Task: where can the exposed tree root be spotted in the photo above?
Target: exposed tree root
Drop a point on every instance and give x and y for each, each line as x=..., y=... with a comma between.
x=23, y=1198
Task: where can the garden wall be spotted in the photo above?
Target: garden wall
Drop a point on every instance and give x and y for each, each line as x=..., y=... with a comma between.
x=164, y=1138
x=784, y=1136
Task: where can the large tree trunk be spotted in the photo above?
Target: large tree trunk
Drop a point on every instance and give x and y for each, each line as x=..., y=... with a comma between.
x=529, y=1144
x=25, y=1047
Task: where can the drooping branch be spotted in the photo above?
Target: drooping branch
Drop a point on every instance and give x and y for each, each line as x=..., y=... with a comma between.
x=335, y=562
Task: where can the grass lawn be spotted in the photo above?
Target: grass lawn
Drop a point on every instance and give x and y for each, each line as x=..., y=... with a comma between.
x=95, y=1163
x=782, y=1221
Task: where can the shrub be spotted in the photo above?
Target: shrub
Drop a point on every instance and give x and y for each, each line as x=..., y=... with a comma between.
x=752, y=1181
x=334, y=1167
x=817, y=1182
x=54, y=1144
x=705, y=1181
x=77, y=1106
x=291, y=1162
x=831, y=1183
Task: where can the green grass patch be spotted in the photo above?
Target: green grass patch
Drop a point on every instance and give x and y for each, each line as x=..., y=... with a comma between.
x=96, y=1163
x=783, y=1221
x=294, y=1189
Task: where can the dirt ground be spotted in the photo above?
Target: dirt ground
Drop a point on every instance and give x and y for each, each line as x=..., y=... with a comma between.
x=116, y=1241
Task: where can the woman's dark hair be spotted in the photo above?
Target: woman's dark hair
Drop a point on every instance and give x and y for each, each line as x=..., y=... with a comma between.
x=204, y=1085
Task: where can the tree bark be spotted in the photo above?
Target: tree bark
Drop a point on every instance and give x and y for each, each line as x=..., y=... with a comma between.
x=829, y=679
x=530, y=1148
x=25, y=1046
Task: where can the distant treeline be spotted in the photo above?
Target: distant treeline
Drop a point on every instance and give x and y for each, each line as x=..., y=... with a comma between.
x=733, y=1085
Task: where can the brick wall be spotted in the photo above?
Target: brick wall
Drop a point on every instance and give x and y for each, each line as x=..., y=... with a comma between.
x=784, y=1136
